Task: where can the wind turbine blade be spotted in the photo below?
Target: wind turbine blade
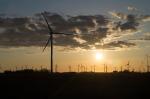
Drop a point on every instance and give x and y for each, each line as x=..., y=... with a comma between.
x=48, y=25
x=66, y=33
x=46, y=44
x=71, y=33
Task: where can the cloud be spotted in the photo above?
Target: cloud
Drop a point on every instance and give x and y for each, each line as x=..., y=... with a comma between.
x=144, y=18
x=116, y=44
x=142, y=37
x=81, y=41
x=118, y=15
x=130, y=24
x=120, y=44
x=127, y=22
x=146, y=36
x=13, y=38
x=132, y=8
x=32, y=31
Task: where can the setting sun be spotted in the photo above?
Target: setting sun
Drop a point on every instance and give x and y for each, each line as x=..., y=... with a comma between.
x=98, y=56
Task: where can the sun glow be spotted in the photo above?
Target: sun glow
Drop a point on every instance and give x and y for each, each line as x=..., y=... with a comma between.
x=98, y=56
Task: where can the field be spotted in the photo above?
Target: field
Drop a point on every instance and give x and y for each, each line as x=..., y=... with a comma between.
x=30, y=84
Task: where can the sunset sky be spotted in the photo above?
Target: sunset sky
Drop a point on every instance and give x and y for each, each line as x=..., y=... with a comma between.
x=110, y=32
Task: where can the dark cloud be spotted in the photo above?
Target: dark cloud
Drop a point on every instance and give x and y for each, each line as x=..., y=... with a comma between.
x=32, y=31
x=13, y=22
x=12, y=38
x=120, y=44
x=131, y=23
x=146, y=36
x=116, y=44
x=144, y=18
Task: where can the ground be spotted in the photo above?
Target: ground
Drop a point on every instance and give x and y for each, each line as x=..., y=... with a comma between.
x=43, y=85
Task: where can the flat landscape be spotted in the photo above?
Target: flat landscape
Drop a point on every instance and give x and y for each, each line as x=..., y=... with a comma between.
x=28, y=84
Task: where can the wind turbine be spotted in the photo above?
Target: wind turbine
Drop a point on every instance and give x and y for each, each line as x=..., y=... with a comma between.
x=50, y=39
x=128, y=66
x=147, y=59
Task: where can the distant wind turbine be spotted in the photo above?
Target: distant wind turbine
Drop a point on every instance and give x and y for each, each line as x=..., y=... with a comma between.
x=147, y=59
x=50, y=39
x=128, y=66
